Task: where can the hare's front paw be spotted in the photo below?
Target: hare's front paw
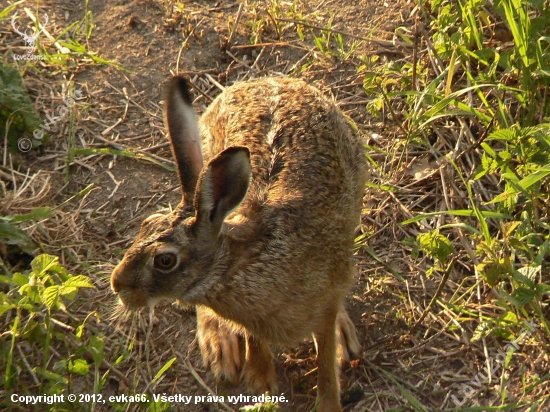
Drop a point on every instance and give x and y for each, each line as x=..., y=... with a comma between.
x=258, y=373
x=219, y=346
x=347, y=344
x=259, y=379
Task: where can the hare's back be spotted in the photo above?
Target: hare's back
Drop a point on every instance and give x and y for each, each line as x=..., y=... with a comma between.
x=303, y=151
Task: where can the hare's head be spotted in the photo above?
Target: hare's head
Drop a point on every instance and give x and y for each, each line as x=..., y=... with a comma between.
x=175, y=254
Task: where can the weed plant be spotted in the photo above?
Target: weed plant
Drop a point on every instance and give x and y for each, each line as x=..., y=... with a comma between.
x=481, y=80
x=30, y=310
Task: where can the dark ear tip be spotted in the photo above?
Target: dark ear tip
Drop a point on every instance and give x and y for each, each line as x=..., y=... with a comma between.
x=180, y=84
x=236, y=149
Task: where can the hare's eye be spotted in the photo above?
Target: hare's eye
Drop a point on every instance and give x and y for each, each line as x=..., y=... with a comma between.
x=165, y=261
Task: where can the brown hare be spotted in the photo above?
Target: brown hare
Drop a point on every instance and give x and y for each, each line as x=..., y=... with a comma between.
x=273, y=179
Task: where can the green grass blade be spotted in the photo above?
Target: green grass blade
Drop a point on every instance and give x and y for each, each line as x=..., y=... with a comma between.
x=166, y=366
x=523, y=184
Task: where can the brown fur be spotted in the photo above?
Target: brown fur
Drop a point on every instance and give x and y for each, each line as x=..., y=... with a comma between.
x=276, y=266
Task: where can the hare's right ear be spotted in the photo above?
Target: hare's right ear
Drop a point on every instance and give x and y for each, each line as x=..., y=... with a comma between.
x=184, y=136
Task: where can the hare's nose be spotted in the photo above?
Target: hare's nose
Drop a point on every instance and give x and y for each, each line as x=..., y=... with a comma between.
x=121, y=280
x=115, y=281
x=115, y=285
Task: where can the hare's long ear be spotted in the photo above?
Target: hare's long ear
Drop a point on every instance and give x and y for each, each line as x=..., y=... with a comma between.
x=184, y=136
x=222, y=187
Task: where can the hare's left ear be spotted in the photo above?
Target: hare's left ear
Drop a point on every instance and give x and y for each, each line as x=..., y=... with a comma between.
x=184, y=136
x=221, y=188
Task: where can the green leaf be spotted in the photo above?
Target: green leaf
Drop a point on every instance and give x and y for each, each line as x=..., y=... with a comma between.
x=483, y=329
x=493, y=273
x=542, y=289
x=505, y=155
x=78, y=366
x=79, y=331
x=5, y=307
x=50, y=298
x=435, y=245
x=38, y=213
x=51, y=376
x=10, y=8
x=435, y=111
x=32, y=291
x=523, y=184
x=543, y=250
x=508, y=228
x=510, y=317
x=79, y=281
x=68, y=291
x=505, y=135
x=16, y=109
x=12, y=235
x=524, y=296
x=521, y=296
x=42, y=263
x=96, y=349
x=166, y=366
x=20, y=279
x=480, y=172
x=488, y=149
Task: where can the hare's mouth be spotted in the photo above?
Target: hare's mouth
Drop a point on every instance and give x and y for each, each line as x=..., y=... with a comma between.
x=133, y=299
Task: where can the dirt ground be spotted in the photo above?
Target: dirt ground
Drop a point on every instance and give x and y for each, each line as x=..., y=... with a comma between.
x=121, y=109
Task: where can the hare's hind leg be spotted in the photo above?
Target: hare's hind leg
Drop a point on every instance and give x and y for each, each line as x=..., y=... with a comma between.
x=328, y=388
x=258, y=373
x=347, y=343
x=219, y=345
